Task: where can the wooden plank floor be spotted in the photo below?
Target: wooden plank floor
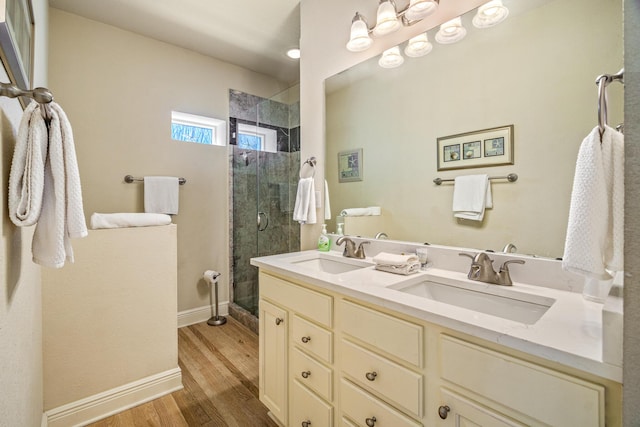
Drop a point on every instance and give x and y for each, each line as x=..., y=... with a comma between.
x=220, y=376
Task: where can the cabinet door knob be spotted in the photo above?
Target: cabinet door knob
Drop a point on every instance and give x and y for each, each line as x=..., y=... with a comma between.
x=279, y=320
x=371, y=376
x=370, y=421
x=305, y=374
x=306, y=423
x=443, y=411
x=306, y=339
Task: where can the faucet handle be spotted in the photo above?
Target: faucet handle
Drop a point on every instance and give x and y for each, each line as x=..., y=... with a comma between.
x=360, y=251
x=467, y=255
x=505, y=265
x=504, y=278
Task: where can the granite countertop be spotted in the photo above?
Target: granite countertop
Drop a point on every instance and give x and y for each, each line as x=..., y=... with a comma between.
x=570, y=332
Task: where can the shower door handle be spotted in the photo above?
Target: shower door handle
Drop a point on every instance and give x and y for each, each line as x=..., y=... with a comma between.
x=262, y=215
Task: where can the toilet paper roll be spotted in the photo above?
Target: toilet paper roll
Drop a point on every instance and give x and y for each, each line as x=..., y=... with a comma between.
x=210, y=276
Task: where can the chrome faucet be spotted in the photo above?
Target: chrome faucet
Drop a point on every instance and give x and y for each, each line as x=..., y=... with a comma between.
x=509, y=248
x=482, y=270
x=350, y=250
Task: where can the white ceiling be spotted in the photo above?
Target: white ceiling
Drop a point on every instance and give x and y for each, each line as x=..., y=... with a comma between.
x=254, y=34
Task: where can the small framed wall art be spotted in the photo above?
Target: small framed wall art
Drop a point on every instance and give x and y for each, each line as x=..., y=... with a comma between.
x=350, y=165
x=16, y=42
x=482, y=148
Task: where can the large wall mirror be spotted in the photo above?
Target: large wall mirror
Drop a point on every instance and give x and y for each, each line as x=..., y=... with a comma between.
x=535, y=71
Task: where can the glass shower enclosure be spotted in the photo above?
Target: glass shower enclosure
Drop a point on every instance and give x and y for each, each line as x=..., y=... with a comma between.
x=265, y=164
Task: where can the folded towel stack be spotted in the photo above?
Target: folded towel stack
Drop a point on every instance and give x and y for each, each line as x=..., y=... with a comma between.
x=471, y=196
x=124, y=220
x=370, y=211
x=396, y=263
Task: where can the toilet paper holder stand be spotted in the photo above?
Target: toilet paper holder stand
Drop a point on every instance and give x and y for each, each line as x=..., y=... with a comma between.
x=212, y=278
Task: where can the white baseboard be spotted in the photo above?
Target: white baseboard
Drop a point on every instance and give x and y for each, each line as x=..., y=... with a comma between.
x=110, y=402
x=201, y=314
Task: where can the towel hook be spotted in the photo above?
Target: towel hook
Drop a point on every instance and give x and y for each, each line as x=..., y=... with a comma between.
x=311, y=161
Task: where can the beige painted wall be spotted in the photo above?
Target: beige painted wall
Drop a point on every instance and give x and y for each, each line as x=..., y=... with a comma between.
x=20, y=284
x=510, y=74
x=110, y=318
x=119, y=89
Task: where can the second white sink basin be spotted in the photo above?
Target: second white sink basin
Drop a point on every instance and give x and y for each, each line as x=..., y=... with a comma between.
x=329, y=263
x=498, y=301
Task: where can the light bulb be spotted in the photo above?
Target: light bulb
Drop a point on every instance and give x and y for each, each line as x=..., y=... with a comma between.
x=387, y=19
x=490, y=14
x=418, y=46
x=359, y=39
x=419, y=9
x=391, y=58
x=451, y=31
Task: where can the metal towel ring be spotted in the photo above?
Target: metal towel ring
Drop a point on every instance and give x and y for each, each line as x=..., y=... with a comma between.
x=311, y=161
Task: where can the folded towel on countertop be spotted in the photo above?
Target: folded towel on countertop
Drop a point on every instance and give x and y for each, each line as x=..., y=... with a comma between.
x=304, y=210
x=595, y=231
x=406, y=269
x=161, y=194
x=370, y=211
x=471, y=196
x=123, y=220
x=385, y=258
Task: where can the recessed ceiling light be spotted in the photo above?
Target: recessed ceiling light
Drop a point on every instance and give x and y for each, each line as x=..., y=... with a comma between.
x=293, y=53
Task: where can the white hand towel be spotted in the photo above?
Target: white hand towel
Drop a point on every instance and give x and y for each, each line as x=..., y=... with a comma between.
x=161, y=194
x=123, y=220
x=595, y=230
x=386, y=258
x=45, y=188
x=327, y=202
x=370, y=211
x=399, y=269
x=304, y=210
x=471, y=196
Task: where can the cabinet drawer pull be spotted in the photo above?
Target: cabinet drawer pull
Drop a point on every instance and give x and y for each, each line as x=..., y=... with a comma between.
x=306, y=423
x=443, y=411
x=371, y=376
x=306, y=339
x=279, y=320
x=306, y=374
x=370, y=421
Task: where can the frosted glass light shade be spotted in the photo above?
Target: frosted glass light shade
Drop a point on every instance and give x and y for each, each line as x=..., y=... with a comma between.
x=420, y=9
x=359, y=39
x=490, y=14
x=387, y=19
x=391, y=58
x=418, y=46
x=451, y=31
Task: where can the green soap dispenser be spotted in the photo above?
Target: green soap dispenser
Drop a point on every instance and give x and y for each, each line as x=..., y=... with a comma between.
x=324, y=242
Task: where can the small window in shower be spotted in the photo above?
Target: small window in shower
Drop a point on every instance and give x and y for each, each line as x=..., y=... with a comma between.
x=198, y=129
x=252, y=137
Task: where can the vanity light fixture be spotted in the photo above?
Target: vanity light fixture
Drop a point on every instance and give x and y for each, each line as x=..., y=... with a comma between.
x=451, y=31
x=418, y=46
x=391, y=58
x=388, y=20
x=490, y=14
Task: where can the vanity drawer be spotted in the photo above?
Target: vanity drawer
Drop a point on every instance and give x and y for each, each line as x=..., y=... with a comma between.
x=311, y=304
x=306, y=406
x=397, y=384
x=548, y=396
x=392, y=335
x=312, y=338
x=318, y=377
x=360, y=406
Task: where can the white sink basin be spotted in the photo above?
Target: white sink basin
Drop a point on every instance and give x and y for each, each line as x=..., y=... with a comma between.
x=331, y=264
x=488, y=299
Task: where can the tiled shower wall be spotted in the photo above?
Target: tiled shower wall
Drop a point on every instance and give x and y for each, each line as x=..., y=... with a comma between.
x=266, y=182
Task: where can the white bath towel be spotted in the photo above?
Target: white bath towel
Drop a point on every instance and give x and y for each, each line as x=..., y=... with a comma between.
x=124, y=220
x=304, y=210
x=595, y=231
x=327, y=202
x=59, y=212
x=370, y=211
x=471, y=196
x=386, y=258
x=399, y=269
x=161, y=194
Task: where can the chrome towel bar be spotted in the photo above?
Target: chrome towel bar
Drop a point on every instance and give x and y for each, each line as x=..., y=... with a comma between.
x=130, y=178
x=512, y=177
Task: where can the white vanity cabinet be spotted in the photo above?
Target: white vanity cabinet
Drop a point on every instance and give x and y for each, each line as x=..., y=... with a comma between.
x=341, y=361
